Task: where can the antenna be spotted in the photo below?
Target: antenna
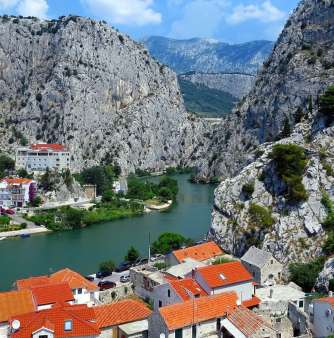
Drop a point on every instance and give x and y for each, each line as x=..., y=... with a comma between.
x=16, y=324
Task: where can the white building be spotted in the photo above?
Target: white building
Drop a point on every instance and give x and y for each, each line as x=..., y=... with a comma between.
x=322, y=317
x=17, y=192
x=38, y=157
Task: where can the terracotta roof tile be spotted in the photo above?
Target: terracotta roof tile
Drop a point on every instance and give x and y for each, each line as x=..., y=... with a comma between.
x=74, y=279
x=224, y=274
x=31, y=282
x=187, y=288
x=198, y=310
x=52, y=293
x=45, y=146
x=329, y=300
x=247, y=321
x=17, y=180
x=121, y=312
x=254, y=301
x=54, y=319
x=15, y=303
x=199, y=252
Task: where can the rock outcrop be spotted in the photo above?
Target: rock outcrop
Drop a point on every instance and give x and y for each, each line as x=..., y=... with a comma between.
x=83, y=84
x=238, y=85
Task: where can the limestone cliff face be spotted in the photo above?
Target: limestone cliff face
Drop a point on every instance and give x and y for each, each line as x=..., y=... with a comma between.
x=81, y=83
x=299, y=69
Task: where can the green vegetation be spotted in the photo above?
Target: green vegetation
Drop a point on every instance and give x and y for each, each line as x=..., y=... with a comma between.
x=107, y=267
x=326, y=105
x=291, y=161
x=328, y=246
x=305, y=274
x=165, y=190
x=36, y=202
x=6, y=164
x=331, y=285
x=286, y=131
x=101, y=176
x=4, y=220
x=6, y=226
x=248, y=189
x=204, y=100
x=328, y=223
x=132, y=255
x=68, y=218
x=260, y=216
x=161, y=265
x=222, y=260
x=168, y=242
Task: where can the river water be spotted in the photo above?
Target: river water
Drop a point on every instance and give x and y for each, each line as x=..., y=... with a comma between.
x=83, y=250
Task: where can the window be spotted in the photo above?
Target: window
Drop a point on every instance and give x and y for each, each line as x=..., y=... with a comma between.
x=278, y=335
x=178, y=333
x=194, y=331
x=79, y=291
x=218, y=324
x=272, y=261
x=160, y=303
x=168, y=292
x=68, y=325
x=301, y=304
x=43, y=336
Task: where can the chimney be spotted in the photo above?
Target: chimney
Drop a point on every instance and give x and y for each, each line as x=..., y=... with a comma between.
x=271, y=293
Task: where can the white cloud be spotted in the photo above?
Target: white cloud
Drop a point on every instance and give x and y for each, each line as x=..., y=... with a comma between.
x=37, y=8
x=130, y=12
x=5, y=4
x=265, y=12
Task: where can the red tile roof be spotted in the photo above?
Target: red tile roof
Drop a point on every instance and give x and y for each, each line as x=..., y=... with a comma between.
x=54, y=319
x=254, y=301
x=52, y=294
x=224, y=274
x=247, y=321
x=31, y=282
x=45, y=146
x=15, y=303
x=74, y=279
x=187, y=288
x=198, y=310
x=17, y=180
x=329, y=300
x=122, y=312
x=199, y=252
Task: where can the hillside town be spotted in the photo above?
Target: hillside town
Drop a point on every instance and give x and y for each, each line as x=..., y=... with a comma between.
x=200, y=292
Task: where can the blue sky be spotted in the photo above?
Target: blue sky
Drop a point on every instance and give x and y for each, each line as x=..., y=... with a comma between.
x=232, y=21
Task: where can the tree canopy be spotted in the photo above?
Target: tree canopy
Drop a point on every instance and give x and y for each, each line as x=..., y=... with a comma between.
x=168, y=242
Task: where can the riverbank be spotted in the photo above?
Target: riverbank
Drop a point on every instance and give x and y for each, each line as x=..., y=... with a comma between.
x=23, y=232
x=157, y=205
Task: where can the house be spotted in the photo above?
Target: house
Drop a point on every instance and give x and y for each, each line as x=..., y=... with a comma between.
x=41, y=156
x=205, y=252
x=197, y=317
x=46, y=296
x=176, y=291
x=58, y=321
x=321, y=315
x=84, y=291
x=243, y=323
x=124, y=319
x=14, y=303
x=185, y=268
x=17, y=192
x=227, y=277
x=262, y=265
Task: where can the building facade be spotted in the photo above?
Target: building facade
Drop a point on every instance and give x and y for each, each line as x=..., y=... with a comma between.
x=17, y=192
x=321, y=315
x=39, y=157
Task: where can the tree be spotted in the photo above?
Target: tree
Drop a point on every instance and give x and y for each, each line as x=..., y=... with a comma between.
x=6, y=164
x=108, y=196
x=286, y=131
x=68, y=178
x=132, y=255
x=107, y=266
x=72, y=218
x=168, y=242
x=326, y=105
x=23, y=173
x=36, y=202
x=165, y=194
x=170, y=184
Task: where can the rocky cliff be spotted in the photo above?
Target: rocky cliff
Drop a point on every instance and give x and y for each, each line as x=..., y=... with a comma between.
x=81, y=83
x=209, y=56
x=238, y=85
x=285, y=96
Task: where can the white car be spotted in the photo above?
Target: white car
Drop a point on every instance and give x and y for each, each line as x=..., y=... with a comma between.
x=157, y=257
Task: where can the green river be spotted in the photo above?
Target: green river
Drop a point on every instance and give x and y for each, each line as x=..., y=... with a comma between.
x=83, y=250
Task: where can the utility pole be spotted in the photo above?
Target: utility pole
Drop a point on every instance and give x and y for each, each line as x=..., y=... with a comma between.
x=149, y=248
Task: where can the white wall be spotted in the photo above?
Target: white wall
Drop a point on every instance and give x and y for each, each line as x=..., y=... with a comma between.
x=160, y=292
x=323, y=325
x=42, y=332
x=3, y=330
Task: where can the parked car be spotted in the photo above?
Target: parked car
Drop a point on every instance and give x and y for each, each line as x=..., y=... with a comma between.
x=102, y=274
x=90, y=278
x=141, y=261
x=123, y=267
x=125, y=279
x=105, y=285
x=157, y=257
x=2, y=211
x=10, y=212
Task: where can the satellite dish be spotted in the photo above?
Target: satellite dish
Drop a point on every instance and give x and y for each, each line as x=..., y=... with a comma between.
x=16, y=324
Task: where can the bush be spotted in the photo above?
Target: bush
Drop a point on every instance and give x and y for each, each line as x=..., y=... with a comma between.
x=132, y=255
x=248, y=189
x=328, y=204
x=260, y=216
x=4, y=220
x=107, y=267
x=6, y=164
x=328, y=246
x=168, y=242
x=291, y=161
x=222, y=260
x=326, y=105
x=36, y=202
x=305, y=274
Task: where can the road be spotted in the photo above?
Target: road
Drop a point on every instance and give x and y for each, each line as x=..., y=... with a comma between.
x=114, y=277
x=19, y=220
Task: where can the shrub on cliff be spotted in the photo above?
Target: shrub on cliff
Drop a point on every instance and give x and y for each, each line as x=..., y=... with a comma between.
x=326, y=105
x=290, y=161
x=248, y=189
x=260, y=216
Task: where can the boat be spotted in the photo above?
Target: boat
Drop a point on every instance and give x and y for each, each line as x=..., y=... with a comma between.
x=25, y=235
